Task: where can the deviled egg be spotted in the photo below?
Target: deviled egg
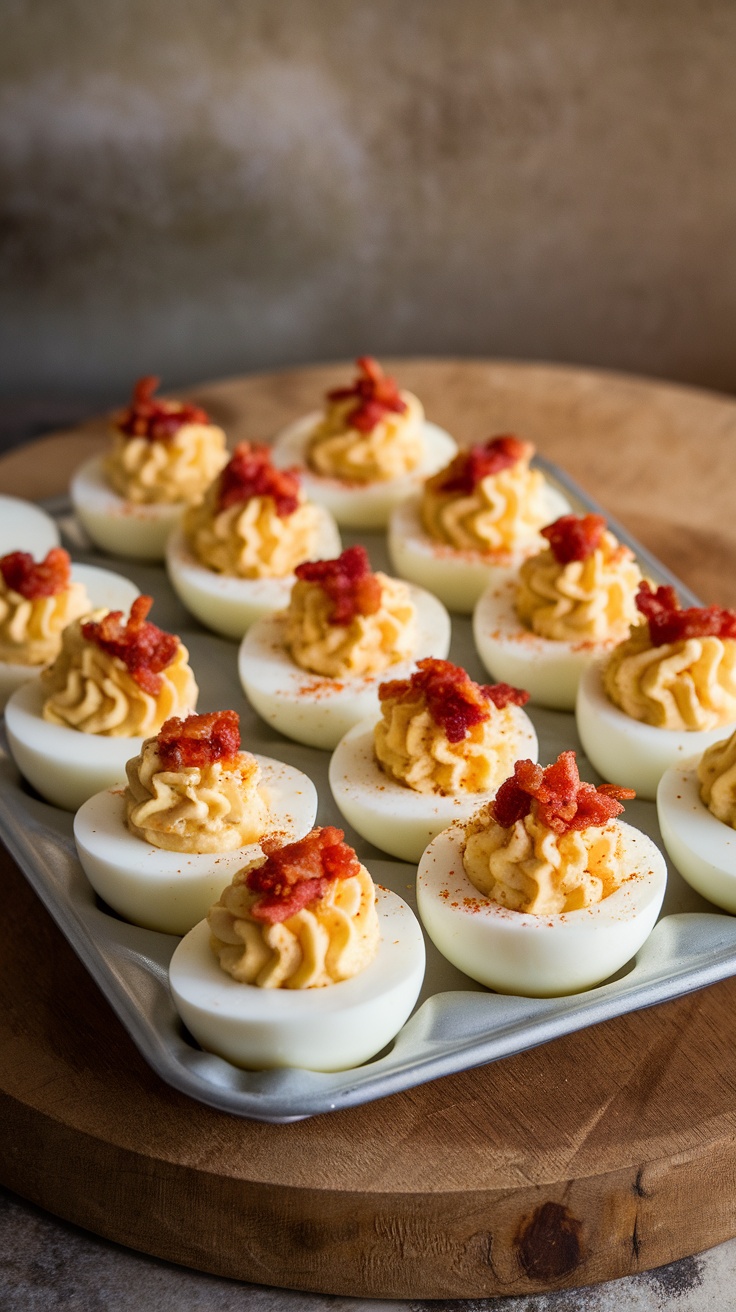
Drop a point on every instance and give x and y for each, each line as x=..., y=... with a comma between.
x=545, y=892
x=164, y=456
x=313, y=670
x=570, y=603
x=37, y=600
x=441, y=747
x=474, y=521
x=696, y=809
x=666, y=693
x=370, y=449
x=196, y=807
x=232, y=559
x=113, y=684
x=320, y=974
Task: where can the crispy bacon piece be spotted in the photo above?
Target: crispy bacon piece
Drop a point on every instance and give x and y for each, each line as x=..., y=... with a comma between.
x=453, y=700
x=30, y=579
x=156, y=419
x=574, y=537
x=376, y=395
x=504, y=694
x=469, y=468
x=143, y=648
x=295, y=874
x=348, y=581
x=249, y=473
x=668, y=622
x=199, y=740
x=561, y=801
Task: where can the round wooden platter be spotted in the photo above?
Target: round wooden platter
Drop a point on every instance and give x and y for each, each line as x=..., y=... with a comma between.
x=607, y=1152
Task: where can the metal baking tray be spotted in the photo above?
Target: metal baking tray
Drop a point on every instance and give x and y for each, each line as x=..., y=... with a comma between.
x=457, y=1023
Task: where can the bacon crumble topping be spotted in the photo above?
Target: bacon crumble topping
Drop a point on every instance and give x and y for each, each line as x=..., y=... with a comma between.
x=470, y=467
x=156, y=419
x=375, y=395
x=455, y=702
x=198, y=740
x=574, y=537
x=295, y=874
x=348, y=581
x=144, y=649
x=250, y=473
x=562, y=801
x=33, y=579
x=669, y=622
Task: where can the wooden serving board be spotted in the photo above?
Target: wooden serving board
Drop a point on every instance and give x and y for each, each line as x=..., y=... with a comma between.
x=606, y=1152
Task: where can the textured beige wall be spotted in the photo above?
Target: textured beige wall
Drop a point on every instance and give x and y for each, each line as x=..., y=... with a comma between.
x=204, y=188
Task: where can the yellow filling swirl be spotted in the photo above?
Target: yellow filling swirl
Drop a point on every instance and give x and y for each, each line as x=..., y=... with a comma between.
x=30, y=630
x=414, y=750
x=717, y=775
x=684, y=685
x=393, y=447
x=330, y=940
x=530, y=868
x=366, y=645
x=166, y=472
x=92, y=691
x=249, y=539
x=591, y=600
x=211, y=808
x=504, y=512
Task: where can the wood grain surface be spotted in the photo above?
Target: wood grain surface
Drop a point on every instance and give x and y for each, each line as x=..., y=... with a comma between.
x=607, y=1152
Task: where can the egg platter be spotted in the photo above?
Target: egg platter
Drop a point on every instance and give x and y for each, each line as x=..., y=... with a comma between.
x=457, y=1022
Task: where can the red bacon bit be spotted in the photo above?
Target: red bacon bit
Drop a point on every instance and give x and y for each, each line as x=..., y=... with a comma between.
x=574, y=537
x=249, y=473
x=348, y=581
x=143, y=648
x=199, y=740
x=668, y=622
x=561, y=801
x=155, y=419
x=470, y=467
x=504, y=694
x=376, y=395
x=295, y=874
x=31, y=580
x=453, y=700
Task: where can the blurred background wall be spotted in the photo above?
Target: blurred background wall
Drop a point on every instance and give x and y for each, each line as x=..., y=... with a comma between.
x=199, y=189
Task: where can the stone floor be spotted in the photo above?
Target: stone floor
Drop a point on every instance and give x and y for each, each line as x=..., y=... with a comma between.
x=46, y=1264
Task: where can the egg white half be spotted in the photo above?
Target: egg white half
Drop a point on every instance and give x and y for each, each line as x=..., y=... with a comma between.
x=538, y=956
x=700, y=845
x=360, y=505
x=457, y=577
x=549, y=670
x=25, y=527
x=324, y=1029
x=227, y=604
x=172, y=891
x=103, y=589
x=64, y=765
x=121, y=527
x=625, y=751
x=310, y=707
x=391, y=815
